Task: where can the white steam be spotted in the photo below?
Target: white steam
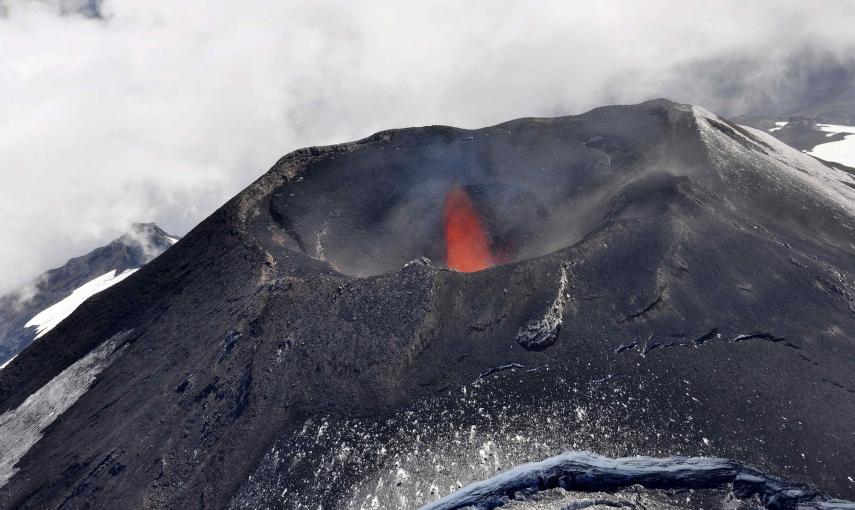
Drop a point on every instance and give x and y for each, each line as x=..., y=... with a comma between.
x=160, y=111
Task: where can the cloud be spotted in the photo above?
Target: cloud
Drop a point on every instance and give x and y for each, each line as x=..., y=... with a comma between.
x=160, y=111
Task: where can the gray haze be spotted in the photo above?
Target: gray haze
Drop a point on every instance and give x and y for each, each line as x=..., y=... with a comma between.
x=130, y=110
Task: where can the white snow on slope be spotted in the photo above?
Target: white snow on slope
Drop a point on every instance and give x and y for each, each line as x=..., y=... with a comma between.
x=21, y=428
x=4, y=365
x=778, y=126
x=836, y=128
x=48, y=318
x=841, y=151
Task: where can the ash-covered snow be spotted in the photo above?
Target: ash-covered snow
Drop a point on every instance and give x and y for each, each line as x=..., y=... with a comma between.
x=841, y=151
x=541, y=333
x=22, y=427
x=592, y=472
x=441, y=444
x=48, y=318
x=778, y=126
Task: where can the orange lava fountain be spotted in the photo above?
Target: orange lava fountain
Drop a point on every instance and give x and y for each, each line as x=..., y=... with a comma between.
x=467, y=243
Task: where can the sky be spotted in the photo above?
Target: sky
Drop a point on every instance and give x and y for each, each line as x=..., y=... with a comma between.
x=127, y=111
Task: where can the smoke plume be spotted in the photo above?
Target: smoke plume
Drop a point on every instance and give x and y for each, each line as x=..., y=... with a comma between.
x=124, y=110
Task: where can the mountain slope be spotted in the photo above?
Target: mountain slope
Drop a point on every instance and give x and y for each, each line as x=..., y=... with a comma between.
x=826, y=132
x=29, y=313
x=671, y=284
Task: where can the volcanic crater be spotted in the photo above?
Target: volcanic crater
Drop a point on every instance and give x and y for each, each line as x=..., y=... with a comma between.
x=658, y=281
x=370, y=211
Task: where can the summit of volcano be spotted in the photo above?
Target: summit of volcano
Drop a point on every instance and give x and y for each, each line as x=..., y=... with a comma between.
x=651, y=280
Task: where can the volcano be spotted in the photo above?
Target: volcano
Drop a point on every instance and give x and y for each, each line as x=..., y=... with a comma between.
x=670, y=292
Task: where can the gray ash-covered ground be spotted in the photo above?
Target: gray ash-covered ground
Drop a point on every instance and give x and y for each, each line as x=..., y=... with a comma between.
x=441, y=444
x=463, y=435
x=671, y=284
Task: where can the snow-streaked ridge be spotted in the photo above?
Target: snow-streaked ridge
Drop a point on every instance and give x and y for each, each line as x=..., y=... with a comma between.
x=541, y=333
x=787, y=166
x=48, y=318
x=4, y=365
x=22, y=427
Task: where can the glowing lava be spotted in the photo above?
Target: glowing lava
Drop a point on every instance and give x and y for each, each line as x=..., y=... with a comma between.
x=467, y=243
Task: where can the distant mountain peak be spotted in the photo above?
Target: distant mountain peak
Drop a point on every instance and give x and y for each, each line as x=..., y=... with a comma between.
x=31, y=311
x=150, y=228
x=148, y=239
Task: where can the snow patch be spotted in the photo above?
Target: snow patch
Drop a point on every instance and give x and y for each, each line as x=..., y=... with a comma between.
x=4, y=365
x=21, y=428
x=836, y=128
x=841, y=151
x=48, y=318
x=778, y=126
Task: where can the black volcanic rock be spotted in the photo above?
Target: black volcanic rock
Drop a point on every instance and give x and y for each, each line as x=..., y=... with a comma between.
x=139, y=245
x=674, y=285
